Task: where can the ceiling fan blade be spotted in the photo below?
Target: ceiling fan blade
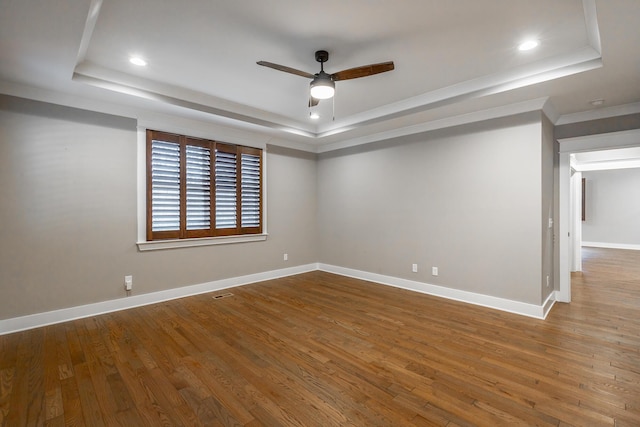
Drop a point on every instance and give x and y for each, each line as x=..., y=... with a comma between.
x=313, y=101
x=285, y=69
x=364, y=71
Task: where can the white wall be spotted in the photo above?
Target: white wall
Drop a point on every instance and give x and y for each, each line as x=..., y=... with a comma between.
x=613, y=207
x=68, y=214
x=467, y=200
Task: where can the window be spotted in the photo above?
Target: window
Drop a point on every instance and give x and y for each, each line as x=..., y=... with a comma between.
x=201, y=188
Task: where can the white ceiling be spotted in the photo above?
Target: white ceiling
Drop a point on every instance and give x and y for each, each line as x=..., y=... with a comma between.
x=452, y=58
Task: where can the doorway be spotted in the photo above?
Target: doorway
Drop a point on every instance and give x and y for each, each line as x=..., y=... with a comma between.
x=569, y=244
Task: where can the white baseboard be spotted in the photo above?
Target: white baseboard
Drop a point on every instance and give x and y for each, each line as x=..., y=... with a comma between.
x=612, y=245
x=549, y=302
x=31, y=321
x=557, y=296
x=22, y=323
x=517, y=307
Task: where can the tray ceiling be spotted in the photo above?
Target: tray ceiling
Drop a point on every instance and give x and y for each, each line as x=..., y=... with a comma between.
x=451, y=58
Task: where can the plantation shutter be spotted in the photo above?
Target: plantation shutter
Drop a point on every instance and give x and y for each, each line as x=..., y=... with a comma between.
x=198, y=190
x=226, y=175
x=251, y=190
x=164, y=181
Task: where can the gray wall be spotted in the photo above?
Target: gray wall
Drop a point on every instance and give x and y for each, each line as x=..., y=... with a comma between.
x=548, y=207
x=68, y=214
x=472, y=200
x=593, y=127
x=467, y=200
x=613, y=206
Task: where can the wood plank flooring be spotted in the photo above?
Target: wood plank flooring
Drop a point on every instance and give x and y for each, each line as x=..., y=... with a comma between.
x=324, y=350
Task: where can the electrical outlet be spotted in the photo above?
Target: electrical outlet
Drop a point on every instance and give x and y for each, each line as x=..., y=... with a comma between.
x=286, y=257
x=434, y=271
x=414, y=268
x=547, y=281
x=128, y=283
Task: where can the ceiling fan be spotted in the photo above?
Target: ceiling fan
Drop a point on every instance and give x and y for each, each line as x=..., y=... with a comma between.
x=323, y=84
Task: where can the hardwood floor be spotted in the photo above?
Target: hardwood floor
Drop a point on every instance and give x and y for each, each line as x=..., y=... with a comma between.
x=325, y=350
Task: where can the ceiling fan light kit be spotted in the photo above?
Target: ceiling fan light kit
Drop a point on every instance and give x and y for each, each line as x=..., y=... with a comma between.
x=322, y=87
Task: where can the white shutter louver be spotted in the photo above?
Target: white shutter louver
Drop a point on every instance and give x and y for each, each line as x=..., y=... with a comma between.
x=250, y=190
x=165, y=191
x=198, y=162
x=226, y=177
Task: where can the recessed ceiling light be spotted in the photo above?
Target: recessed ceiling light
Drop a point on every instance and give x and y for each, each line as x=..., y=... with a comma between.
x=136, y=60
x=528, y=45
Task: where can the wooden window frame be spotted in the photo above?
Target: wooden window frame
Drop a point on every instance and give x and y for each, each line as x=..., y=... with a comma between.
x=212, y=231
